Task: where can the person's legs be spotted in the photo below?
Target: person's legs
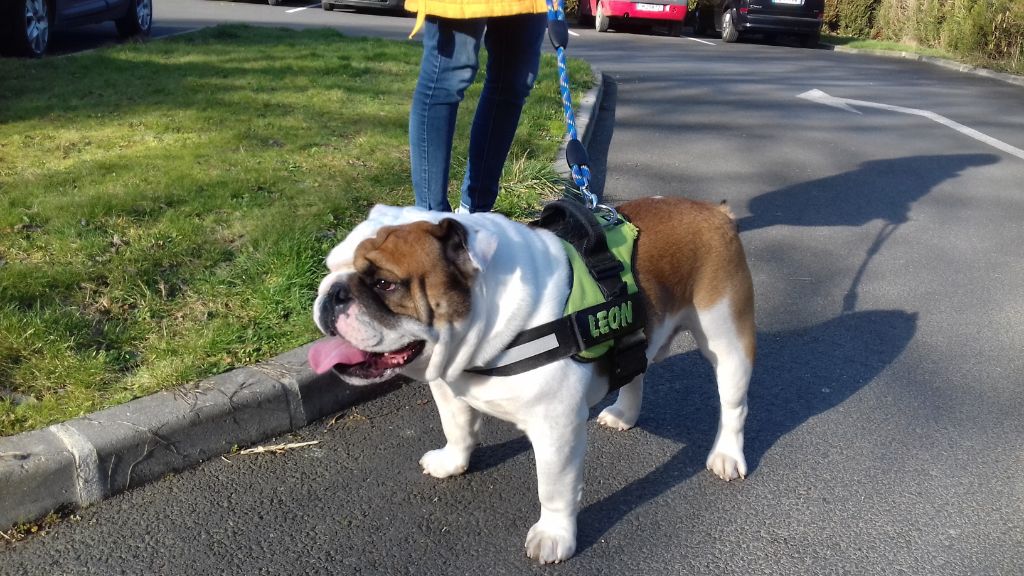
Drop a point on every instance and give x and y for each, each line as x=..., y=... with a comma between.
x=513, y=58
x=449, y=64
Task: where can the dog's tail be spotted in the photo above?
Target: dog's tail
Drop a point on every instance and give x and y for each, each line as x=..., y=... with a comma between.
x=723, y=207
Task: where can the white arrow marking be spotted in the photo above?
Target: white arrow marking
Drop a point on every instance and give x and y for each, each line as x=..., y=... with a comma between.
x=848, y=104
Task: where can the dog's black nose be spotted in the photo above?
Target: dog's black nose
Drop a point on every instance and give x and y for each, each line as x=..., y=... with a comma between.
x=337, y=298
x=339, y=294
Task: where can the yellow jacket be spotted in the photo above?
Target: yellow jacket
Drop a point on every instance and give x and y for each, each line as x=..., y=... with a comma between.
x=462, y=9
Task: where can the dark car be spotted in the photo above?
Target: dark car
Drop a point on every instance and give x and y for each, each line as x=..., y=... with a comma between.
x=25, y=24
x=732, y=18
x=389, y=5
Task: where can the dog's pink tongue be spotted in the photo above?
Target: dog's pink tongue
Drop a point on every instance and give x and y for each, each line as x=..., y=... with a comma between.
x=328, y=352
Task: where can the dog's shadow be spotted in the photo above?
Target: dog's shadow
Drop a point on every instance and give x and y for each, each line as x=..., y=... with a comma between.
x=798, y=374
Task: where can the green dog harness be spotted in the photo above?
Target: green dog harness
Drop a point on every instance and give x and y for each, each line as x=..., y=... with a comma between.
x=603, y=317
x=604, y=313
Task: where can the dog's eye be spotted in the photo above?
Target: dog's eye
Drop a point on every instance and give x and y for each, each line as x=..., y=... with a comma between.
x=384, y=285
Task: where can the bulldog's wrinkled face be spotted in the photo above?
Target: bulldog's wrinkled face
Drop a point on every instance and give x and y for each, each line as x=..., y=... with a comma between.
x=384, y=307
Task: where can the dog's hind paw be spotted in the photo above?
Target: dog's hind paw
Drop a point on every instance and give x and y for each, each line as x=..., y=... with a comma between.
x=613, y=417
x=550, y=543
x=444, y=462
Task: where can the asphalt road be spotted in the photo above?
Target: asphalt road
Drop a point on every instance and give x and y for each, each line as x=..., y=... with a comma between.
x=885, y=432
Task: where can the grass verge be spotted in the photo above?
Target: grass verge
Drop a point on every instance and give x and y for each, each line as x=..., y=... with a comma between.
x=886, y=46
x=165, y=208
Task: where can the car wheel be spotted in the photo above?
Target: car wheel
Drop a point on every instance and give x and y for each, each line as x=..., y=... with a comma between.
x=729, y=31
x=327, y=6
x=675, y=29
x=29, y=32
x=601, y=22
x=137, y=21
x=811, y=40
x=274, y=2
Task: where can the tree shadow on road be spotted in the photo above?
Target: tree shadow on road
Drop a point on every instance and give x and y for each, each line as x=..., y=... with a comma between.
x=883, y=190
x=877, y=190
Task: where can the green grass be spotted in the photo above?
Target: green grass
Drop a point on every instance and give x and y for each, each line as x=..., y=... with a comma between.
x=886, y=46
x=165, y=208
x=866, y=44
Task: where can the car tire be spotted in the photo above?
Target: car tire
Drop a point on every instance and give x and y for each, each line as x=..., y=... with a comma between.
x=274, y=2
x=811, y=40
x=138, y=21
x=28, y=32
x=601, y=22
x=327, y=6
x=729, y=32
x=675, y=29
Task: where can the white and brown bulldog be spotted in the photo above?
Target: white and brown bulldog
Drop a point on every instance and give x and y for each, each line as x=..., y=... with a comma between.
x=431, y=295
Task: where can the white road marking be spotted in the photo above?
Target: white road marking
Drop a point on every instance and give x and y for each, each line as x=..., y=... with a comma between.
x=573, y=33
x=848, y=105
x=317, y=5
x=699, y=40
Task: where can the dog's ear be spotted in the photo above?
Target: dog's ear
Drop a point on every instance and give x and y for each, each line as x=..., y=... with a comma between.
x=468, y=257
x=470, y=249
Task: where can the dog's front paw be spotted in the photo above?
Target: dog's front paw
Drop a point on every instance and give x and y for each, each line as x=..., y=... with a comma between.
x=444, y=462
x=727, y=464
x=614, y=417
x=549, y=542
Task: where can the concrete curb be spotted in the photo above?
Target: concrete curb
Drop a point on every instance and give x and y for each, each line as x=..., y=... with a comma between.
x=82, y=461
x=951, y=64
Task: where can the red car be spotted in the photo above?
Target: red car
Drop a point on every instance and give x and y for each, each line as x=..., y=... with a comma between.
x=606, y=14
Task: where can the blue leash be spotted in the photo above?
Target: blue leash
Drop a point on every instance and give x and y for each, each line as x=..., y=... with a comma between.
x=575, y=152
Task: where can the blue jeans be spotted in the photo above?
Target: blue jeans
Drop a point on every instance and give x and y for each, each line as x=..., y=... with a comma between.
x=450, y=62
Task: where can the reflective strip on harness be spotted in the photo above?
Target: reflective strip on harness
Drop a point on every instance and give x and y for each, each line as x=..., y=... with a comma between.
x=528, y=349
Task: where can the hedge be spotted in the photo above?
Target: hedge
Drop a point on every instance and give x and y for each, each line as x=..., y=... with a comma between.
x=980, y=31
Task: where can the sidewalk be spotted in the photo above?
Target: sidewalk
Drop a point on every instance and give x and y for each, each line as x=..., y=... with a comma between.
x=82, y=461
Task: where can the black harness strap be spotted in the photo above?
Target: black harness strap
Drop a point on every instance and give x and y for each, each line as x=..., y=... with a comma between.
x=578, y=226
x=564, y=345
x=569, y=335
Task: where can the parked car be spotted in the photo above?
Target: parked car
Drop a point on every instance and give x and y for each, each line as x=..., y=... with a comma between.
x=605, y=14
x=731, y=18
x=389, y=5
x=25, y=25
